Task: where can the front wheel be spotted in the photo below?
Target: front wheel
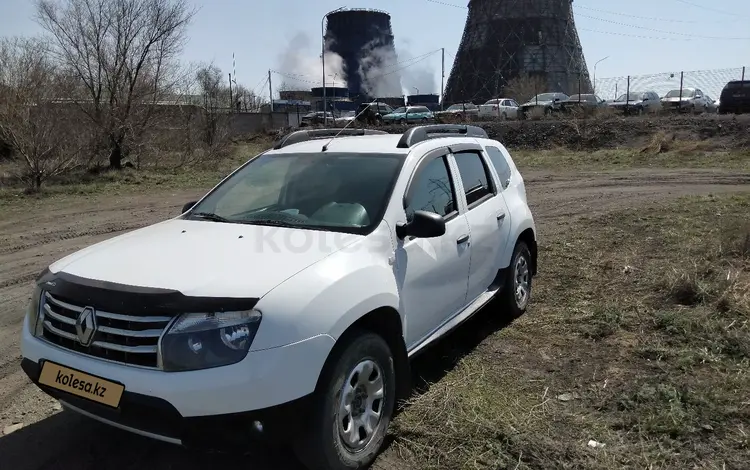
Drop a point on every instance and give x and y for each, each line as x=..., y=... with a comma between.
x=516, y=292
x=355, y=399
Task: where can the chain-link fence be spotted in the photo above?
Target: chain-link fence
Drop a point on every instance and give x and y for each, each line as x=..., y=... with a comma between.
x=710, y=82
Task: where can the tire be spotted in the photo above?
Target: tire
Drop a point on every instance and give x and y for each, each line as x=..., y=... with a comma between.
x=402, y=121
x=509, y=303
x=322, y=447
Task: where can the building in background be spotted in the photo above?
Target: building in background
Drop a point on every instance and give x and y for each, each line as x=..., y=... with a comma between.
x=507, y=39
x=364, y=40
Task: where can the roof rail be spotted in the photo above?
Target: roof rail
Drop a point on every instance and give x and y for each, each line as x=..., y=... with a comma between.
x=421, y=133
x=313, y=134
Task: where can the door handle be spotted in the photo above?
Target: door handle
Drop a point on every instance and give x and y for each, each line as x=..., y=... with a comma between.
x=501, y=216
x=462, y=239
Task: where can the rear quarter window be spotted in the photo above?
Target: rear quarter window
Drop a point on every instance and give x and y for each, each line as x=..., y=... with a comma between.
x=501, y=165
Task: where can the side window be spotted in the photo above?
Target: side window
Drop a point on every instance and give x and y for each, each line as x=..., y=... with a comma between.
x=432, y=190
x=475, y=176
x=501, y=165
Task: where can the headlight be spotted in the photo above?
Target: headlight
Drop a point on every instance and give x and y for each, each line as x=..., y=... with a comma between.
x=204, y=340
x=35, y=326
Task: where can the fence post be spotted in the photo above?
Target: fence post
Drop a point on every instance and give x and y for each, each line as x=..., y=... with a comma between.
x=682, y=78
x=627, y=97
x=743, y=74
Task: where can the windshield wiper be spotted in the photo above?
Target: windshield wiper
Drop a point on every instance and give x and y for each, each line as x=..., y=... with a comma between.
x=269, y=222
x=211, y=216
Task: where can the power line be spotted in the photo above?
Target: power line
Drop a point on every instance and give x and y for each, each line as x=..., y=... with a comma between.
x=665, y=32
x=637, y=36
x=696, y=5
x=666, y=20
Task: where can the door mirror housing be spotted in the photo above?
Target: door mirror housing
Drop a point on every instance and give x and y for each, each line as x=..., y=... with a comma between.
x=188, y=206
x=423, y=224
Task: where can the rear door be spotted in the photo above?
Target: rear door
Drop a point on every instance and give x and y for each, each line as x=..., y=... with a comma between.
x=486, y=213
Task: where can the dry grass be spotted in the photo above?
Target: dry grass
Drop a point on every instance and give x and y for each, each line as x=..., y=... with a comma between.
x=638, y=338
x=128, y=180
x=660, y=152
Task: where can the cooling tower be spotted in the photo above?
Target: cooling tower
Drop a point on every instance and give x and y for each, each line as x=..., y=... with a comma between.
x=505, y=39
x=364, y=40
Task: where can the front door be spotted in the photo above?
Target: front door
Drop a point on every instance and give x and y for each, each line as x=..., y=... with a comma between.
x=434, y=271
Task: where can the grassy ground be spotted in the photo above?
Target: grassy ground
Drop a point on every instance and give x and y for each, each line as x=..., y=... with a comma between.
x=129, y=181
x=694, y=155
x=638, y=338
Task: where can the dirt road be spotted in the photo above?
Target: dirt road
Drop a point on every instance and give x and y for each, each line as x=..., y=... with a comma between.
x=34, y=236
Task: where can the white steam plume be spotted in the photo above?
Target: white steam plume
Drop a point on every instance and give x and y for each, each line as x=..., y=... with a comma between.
x=301, y=64
x=379, y=72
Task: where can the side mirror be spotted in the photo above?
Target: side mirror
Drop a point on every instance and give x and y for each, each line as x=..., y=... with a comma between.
x=422, y=225
x=188, y=206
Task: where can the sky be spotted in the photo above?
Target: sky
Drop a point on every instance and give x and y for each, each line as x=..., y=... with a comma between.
x=635, y=36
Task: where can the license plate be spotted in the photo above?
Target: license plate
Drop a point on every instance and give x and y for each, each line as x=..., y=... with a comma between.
x=81, y=384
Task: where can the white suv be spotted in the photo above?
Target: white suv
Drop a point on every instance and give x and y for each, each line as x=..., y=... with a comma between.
x=287, y=302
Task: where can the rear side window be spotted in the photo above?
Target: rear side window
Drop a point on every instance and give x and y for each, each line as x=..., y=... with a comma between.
x=501, y=165
x=432, y=190
x=475, y=177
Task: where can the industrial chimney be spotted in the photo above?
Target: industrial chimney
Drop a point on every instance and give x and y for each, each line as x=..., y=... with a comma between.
x=505, y=39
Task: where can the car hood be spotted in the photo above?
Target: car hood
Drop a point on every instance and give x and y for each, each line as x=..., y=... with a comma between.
x=202, y=258
x=536, y=103
x=622, y=103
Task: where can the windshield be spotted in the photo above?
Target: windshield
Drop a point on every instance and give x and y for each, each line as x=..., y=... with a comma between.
x=399, y=111
x=545, y=97
x=634, y=96
x=686, y=93
x=324, y=191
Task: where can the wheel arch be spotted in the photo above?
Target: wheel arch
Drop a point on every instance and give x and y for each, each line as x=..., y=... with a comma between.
x=386, y=322
x=529, y=237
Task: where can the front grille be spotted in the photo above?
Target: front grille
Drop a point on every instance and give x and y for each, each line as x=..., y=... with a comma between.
x=121, y=338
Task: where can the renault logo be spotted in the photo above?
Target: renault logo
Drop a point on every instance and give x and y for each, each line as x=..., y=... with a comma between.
x=86, y=326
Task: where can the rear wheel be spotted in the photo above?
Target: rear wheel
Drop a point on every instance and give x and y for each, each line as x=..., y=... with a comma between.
x=516, y=292
x=355, y=400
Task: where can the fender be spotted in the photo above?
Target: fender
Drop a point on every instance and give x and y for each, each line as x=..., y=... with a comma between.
x=325, y=299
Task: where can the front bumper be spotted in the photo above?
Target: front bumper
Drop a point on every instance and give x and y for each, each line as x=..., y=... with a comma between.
x=156, y=418
x=176, y=405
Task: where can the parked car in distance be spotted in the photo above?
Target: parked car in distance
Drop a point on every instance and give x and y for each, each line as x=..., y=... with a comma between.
x=459, y=111
x=373, y=112
x=544, y=103
x=407, y=114
x=636, y=102
x=285, y=306
x=582, y=103
x=687, y=100
x=712, y=106
x=735, y=97
x=499, y=108
x=316, y=118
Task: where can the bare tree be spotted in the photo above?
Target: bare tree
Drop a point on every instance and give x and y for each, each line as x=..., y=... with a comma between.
x=124, y=55
x=524, y=87
x=33, y=121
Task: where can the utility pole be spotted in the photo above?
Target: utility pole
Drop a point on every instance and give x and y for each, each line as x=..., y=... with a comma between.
x=442, y=81
x=231, y=101
x=270, y=90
